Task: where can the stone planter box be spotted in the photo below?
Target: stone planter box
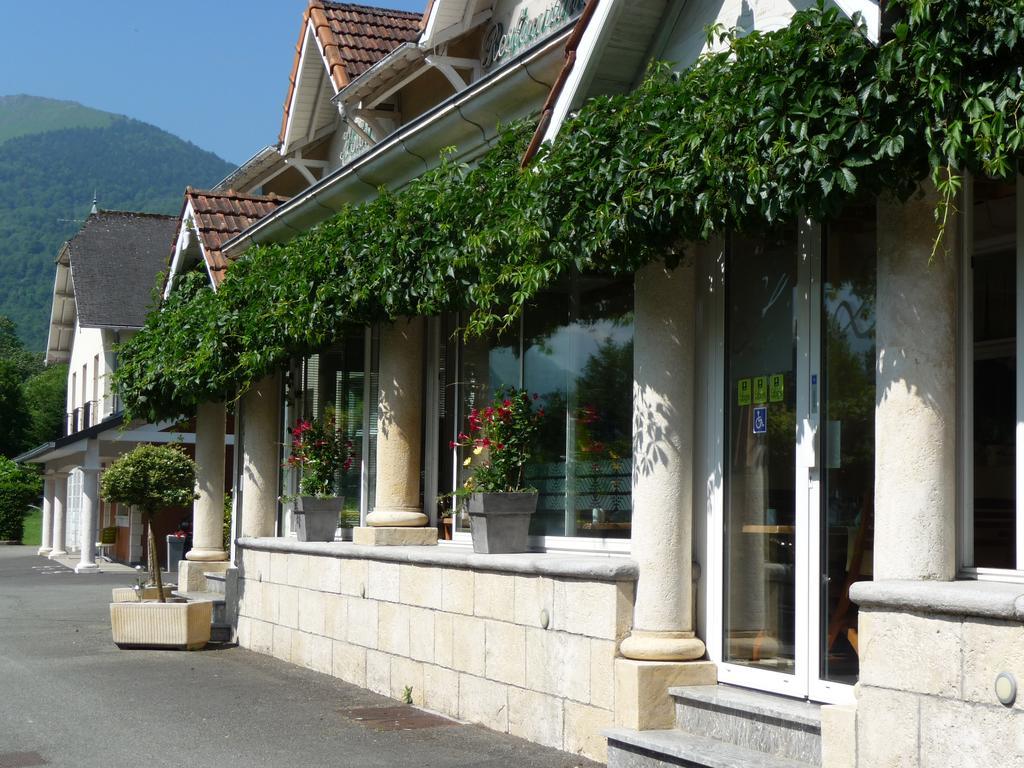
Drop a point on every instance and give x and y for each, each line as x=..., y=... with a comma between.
x=316, y=519
x=179, y=625
x=129, y=595
x=500, y=522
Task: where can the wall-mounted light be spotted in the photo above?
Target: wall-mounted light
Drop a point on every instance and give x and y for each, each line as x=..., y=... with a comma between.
x=1006, y=688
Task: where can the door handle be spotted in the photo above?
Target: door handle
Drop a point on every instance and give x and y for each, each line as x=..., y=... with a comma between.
x=809, y=443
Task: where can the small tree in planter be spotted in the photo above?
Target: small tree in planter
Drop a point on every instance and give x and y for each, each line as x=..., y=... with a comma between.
x=321, y=452
x=152, y=478
x=502, y=437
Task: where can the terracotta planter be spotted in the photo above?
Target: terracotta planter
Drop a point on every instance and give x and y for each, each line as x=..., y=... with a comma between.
x=500, y=522
x=316, y=519
x=180, y=625
x=129, y=595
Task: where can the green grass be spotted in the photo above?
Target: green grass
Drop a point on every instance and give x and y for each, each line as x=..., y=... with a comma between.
x=33, y=528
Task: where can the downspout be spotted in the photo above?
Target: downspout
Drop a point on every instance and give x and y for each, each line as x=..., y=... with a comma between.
x=559, y=85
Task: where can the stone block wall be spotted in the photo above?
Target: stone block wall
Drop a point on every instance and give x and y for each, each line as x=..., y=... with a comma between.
x=926, y=695
x=526, y=654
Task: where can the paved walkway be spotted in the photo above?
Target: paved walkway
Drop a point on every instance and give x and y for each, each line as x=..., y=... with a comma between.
x=69, y=698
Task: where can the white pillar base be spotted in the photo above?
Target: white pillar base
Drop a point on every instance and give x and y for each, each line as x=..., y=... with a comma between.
x=206, y=555
x=57, y=553
x=642, y=701
x=44, y=551
x=86, y=568
x=397, y=518
x=662, y=646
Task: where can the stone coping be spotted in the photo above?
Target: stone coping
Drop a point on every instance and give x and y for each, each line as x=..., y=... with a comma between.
x=592, y=567
x=984, y=599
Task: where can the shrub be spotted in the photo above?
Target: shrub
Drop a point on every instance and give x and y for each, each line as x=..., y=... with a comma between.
x=19, y=487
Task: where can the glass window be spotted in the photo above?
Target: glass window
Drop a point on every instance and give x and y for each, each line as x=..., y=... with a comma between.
x=847, y=432
x=993, y=342
x=335, y=380
x=574, y=349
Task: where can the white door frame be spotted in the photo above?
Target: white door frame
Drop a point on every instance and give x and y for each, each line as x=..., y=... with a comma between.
x=805, y=682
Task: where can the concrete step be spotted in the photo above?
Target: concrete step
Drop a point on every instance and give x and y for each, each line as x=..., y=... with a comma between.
x=753, y=720
x=659, y=749
x=215, y=582
x=219, y=608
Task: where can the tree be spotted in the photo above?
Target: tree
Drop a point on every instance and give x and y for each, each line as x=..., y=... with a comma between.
x=19, y=487
x=45, y=396
x=152, y=478
x=13, y=417
x=11, y=349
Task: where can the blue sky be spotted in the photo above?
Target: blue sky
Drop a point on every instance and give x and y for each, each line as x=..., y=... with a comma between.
x=214, y=72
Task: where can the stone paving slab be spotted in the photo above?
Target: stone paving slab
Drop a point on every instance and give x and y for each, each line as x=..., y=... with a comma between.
x=70, y=696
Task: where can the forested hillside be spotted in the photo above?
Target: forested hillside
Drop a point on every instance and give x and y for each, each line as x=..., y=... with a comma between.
x=48, y=178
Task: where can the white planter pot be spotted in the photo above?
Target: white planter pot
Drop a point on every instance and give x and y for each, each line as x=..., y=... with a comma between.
x=129, y=595
x=184, y=626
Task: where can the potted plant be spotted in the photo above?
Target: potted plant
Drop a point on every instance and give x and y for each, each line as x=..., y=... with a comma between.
x=501, y=438
x=153, y=478
x=321, y=453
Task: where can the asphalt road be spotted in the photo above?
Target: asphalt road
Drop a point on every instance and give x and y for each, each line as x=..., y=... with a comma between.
x=69, y=696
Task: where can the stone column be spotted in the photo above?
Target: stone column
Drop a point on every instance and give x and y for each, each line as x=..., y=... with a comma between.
x=90, y=507
x=60, y=506
x=663, y=445
x=662, y=649
x=399, y=435
x=916, y=395
x=208, y=509
x=46, y=540
x=261, y=458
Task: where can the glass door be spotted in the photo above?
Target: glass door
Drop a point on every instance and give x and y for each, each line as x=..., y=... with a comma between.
x=763, y=519
x=791, y=522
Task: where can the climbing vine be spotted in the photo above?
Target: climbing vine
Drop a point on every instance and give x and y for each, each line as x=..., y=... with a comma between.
x=801, y=120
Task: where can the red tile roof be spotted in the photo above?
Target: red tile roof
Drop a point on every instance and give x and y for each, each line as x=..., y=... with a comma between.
x=221, y=216
x=353, y=39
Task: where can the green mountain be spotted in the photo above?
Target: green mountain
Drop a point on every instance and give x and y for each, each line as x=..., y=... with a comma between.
x=54, y=155
x=22, y=115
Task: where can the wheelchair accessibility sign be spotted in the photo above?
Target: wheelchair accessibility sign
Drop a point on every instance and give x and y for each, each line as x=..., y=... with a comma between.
x=761, y=420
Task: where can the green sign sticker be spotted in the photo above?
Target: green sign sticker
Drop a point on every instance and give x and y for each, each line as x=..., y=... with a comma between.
x=743, y=392
x=776, y=387
x=760, y=390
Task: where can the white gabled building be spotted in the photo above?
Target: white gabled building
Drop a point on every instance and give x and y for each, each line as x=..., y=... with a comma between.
x=105, y=282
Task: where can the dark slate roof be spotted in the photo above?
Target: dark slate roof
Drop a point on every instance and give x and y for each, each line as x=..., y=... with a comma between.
x=115, y=259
